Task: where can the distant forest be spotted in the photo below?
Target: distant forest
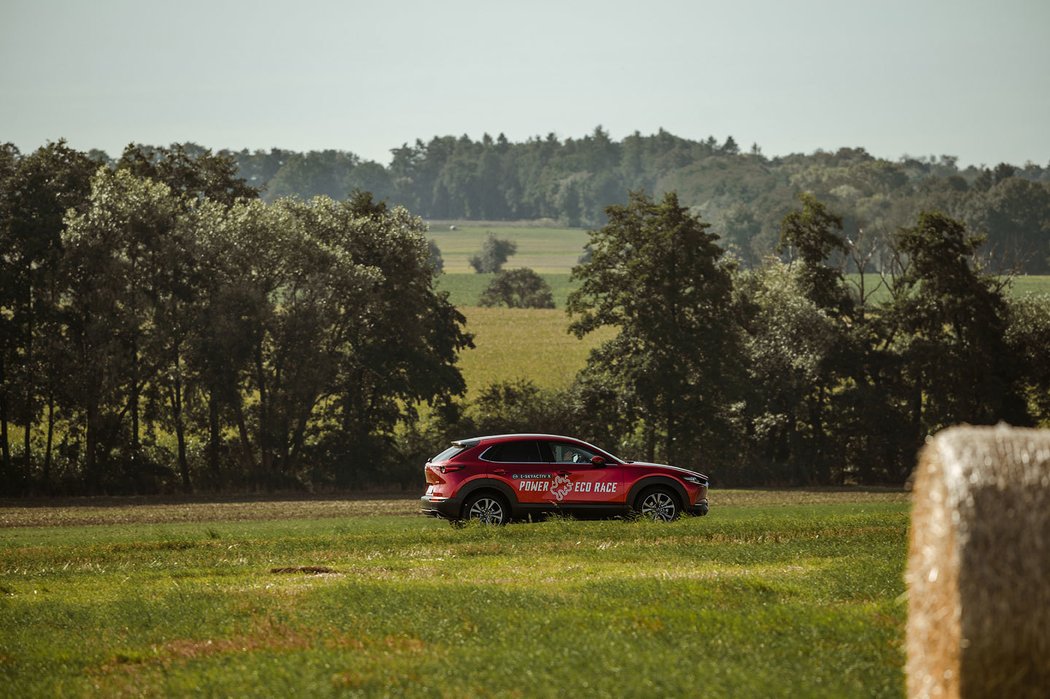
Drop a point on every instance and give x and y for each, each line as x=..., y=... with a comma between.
x=741, y=192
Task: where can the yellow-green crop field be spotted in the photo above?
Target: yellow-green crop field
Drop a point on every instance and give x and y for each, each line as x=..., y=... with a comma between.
x=529, y=343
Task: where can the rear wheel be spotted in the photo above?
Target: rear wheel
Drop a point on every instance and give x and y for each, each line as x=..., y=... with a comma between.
x=659, y=504
x=487, y=508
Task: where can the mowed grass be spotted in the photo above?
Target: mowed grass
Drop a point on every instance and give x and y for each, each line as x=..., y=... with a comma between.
x=777, y=594
x=524, y=343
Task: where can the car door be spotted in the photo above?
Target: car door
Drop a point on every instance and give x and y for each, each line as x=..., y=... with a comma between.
x=577, y=480
x=522, y=466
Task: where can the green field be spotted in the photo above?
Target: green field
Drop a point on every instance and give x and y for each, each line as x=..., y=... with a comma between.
x=529, y=343
x=773, y=594
x=1030, y=284
x=543, y=249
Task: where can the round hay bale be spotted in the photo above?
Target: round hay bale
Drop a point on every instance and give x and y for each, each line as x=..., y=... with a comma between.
x=979, y=565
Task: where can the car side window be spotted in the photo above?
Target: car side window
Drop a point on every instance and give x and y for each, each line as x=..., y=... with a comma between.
x=570, y=453
x=524, y=452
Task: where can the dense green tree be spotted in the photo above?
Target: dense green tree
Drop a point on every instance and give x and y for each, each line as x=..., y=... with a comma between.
x=399, y=346
x=518, y=288
x=189, y=170
x=813, y=234
x=317, y=173
x=658, y=276
x=792, y=343
x=370, y=177
x=948, y=322
x=8, y=295
x=493, y=255
x=38, y=190
x=519, y=405
x=221, y=349
x=175, y=274
x=112, y=249
x=1014, y=214
x=1028, y=337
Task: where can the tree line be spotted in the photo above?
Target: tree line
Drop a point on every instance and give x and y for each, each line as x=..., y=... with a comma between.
x=161, y=327
x=741, y=192
x=793, y=373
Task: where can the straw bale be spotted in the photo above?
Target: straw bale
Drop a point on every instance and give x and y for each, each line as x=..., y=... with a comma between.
x=979, y=565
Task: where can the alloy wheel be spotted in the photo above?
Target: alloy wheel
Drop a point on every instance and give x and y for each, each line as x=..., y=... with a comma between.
x=487, y=511
x=659, y=506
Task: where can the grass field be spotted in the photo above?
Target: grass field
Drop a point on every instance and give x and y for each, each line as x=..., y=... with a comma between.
x=531, y=343
x=544, y=249
x=781, y=594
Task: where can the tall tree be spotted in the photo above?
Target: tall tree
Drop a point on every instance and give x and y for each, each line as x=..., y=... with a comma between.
x=657, y=274
x=37, y=194
x=175, y=274
x=948, y=322
x=812, y=233
x=8, y=293
x=113, y=250
x=1015, y=216
x=396, y=348
x=792, y=343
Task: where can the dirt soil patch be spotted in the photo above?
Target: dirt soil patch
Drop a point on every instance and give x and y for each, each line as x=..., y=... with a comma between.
x=142, y=510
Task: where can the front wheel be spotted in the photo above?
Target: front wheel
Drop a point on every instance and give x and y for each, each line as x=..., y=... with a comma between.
x=486, y=508
x=659, y=504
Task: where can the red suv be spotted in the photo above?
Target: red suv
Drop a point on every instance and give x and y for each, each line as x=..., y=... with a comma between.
x=497, y=479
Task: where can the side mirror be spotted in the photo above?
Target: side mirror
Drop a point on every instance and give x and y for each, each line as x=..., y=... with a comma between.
x=597, y=461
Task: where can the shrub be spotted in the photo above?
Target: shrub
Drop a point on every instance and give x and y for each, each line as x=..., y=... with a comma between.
x=493, y=255
x=518, y=288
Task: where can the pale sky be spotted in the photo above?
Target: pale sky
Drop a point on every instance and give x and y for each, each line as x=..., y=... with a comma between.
x=969, y=78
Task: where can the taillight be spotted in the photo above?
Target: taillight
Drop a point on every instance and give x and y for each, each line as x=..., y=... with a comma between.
x=450, y=468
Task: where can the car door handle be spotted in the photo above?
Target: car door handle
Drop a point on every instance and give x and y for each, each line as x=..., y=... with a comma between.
x=499, y=471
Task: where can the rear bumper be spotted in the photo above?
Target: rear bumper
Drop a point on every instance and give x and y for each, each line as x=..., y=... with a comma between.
x=446, y=508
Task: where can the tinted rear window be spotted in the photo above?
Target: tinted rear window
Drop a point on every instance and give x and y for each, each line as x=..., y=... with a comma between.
x=527, y=452
x=447, y=454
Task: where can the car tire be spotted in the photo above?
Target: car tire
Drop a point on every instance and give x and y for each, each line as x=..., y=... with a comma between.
x=486, y=508
x=658, y=504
